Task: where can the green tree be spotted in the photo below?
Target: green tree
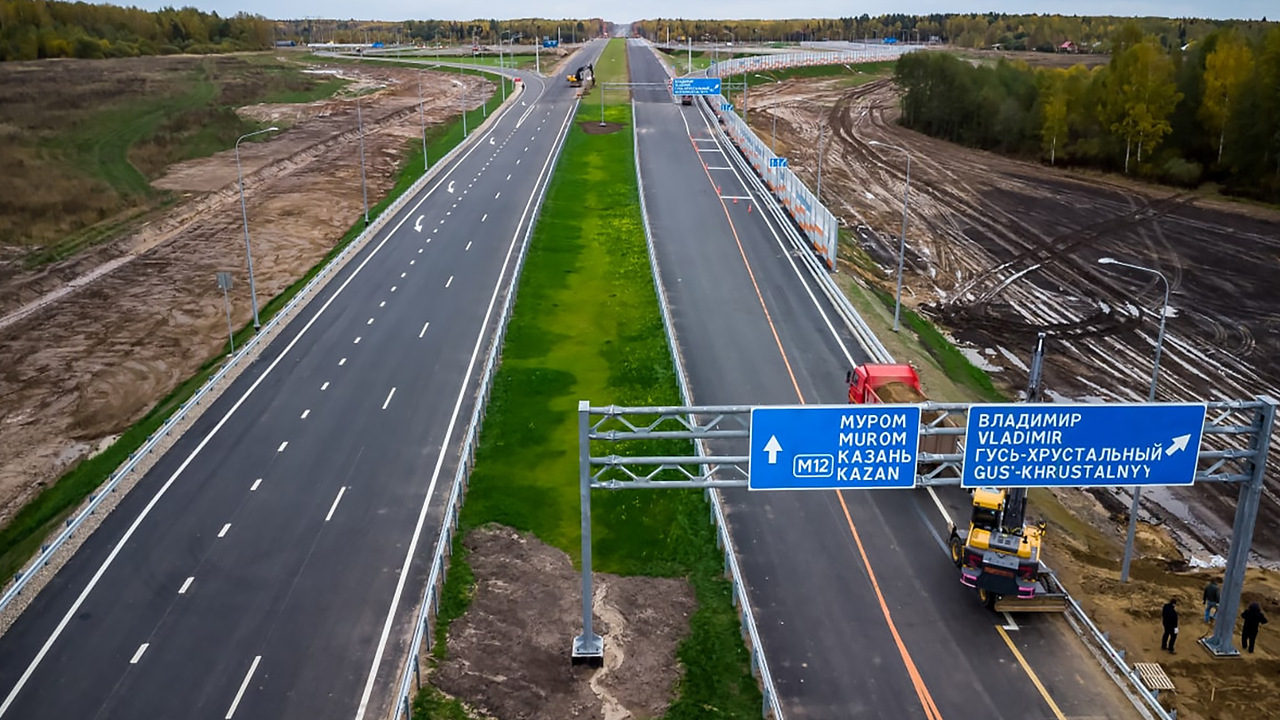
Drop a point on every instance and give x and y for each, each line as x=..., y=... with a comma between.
x=1226, y=70
x=1053, y=125
x=1141, y=94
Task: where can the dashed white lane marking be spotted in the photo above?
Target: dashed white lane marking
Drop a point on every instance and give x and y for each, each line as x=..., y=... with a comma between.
x=450, y=281
x=448, y=212
x=357, y=340
x=508, y=176
x=187, y=583
x=419, y=251
x=243, y=686
x=434, y=231
x=138, y=655
x=468, y=247
x=224, y=530
x=393, y=288
x=305, y=413
x=495, y=197
x=255, y=485
x=283, y=445
x=412, y=262
x=424, y=329
x=387, y=402
x=325, y=386
x=486, y=217
x=336, y=500
x=384, y=302
x=370, y=322
x=517, y=162
x=441, y=221
x=402, y=274
x=526, y=148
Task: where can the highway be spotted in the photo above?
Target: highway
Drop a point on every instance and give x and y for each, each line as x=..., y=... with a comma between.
x=268, y=565
x=860, y=608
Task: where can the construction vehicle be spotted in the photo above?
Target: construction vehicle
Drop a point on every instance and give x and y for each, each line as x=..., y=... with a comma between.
x=999, y=553
x=584, y=74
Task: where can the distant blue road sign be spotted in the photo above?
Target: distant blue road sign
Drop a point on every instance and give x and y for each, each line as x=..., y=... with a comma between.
x=550, y=43
x=1082, y=445
x=726, y=107
x=822, y=447
x=695, y=86
x=777, y=162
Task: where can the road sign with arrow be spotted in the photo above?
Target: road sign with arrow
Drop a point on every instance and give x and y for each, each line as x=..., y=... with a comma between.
x=1069, y=445
x=823, y=447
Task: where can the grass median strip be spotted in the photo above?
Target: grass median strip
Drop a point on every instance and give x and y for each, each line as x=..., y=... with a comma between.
x=21, y=537
x=586, y=325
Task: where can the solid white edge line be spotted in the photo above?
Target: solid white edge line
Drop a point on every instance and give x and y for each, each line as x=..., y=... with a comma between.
x=243, y=686
x=138, y=655
x=390, y=395
x=186, y=584
x=424, y=329
x=453, y=420
x=223, y=531
x=336, y=500
x=155, y=499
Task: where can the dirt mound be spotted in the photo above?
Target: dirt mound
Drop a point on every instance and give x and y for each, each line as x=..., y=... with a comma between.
x=509, y=655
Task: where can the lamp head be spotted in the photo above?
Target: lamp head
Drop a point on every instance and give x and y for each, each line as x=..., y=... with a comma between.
x=1107, y=261
x=273, y=128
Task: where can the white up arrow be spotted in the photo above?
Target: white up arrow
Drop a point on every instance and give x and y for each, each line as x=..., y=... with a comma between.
x=1179, y=443
x=773, y=448
x=417, y=224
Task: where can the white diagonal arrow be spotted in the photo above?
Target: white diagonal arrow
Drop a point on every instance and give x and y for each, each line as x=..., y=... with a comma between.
x=1179, y=443
x=417, y=224
x=773, y=448
x=450, y=188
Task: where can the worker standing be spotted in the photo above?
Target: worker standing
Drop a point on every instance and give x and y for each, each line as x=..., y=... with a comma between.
x=1252, y=617
x=1211, y=597
x=1169, y=614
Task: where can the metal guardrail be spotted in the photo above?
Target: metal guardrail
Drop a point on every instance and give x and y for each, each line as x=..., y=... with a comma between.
x=759, y=664
x=1083, y=626
x=765, y=63
x=48, y=549
x=429, y=607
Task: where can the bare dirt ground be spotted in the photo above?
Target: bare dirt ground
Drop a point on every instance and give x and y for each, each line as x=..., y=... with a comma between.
x=508, y=655
x=89, y=344
x=998, y=248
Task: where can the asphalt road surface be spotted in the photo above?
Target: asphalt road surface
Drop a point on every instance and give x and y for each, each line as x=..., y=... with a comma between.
x=268, y=566
x=860, y=608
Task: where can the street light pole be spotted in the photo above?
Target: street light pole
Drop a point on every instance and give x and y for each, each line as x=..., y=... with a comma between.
x=422, y=116
x=1151, y=397
x=364, y=186
x=244, y=215
x=902, y=240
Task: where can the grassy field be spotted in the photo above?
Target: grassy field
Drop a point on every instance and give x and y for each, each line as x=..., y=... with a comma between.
x=20, y=538
x=521, y=62
x=83, y=138
x=851, y=75
x=586, y=326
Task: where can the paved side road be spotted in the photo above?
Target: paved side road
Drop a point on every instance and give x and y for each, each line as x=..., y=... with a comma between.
x=267, y=566
x=860, y=609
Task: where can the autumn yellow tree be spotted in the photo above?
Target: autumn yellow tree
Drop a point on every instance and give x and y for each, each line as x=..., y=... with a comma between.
x=1140, y=96
x=1226, y=69
x=1053, y=94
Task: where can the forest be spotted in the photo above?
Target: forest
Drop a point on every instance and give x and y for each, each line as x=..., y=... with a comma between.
x=36, y=29
x=1206, y=112
x=1043, y=33
x=429, y=32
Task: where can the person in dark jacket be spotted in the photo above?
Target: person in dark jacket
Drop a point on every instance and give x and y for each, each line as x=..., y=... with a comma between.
x=1252, y=617
x=1212, y=595
x=1169, y=614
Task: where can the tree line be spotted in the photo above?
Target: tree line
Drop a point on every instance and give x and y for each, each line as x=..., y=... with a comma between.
x=34, y=29
x=1206, y=112
x=431, y=32
x=1044, y=33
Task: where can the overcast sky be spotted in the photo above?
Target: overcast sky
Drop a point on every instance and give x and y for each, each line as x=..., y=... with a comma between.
x=626, y=10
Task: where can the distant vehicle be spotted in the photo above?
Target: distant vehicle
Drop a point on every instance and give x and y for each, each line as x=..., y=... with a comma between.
x=891, y=41
x=686, y=99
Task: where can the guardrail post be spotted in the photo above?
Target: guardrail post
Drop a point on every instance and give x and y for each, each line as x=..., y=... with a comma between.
x=588, y=647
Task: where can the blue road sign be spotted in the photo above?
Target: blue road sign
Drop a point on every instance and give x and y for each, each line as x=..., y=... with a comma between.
x=726, y=107
x=1082, y=445
x=695, y=86
x=777, y=162
x=823, y=447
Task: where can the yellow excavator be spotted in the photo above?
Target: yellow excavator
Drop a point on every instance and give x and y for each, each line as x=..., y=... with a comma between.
x=999, y=555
